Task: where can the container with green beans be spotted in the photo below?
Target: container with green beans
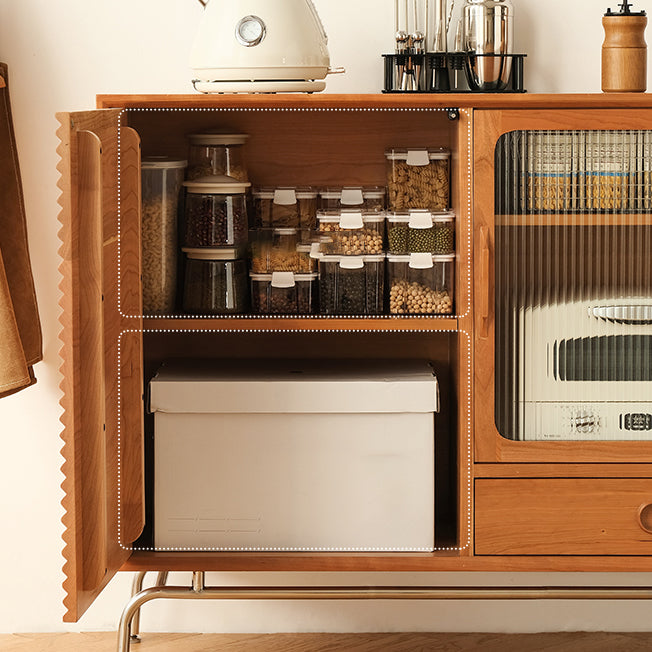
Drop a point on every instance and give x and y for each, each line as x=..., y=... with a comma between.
x=421, y=231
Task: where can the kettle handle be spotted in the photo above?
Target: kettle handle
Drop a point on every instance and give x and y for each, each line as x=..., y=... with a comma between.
x=203, y=3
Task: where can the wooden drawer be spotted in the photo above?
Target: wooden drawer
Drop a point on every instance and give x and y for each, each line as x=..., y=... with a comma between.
x=548, y=516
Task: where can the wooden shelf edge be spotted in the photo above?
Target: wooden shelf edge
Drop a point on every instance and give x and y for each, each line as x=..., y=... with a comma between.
x=381, y=562
x=381, y=100
x=303, y=324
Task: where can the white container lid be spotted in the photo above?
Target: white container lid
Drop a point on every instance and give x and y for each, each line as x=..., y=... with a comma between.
x=417, y=156
x=375, y=192
x=294, y=386
x=351, y=262
x=163, y=163
x=208, y=253
x=298, y=277
x=337, y=217
x=413, y=257
x=217, y=138
x=421, y=219
x=217, y=184
x=284, y=196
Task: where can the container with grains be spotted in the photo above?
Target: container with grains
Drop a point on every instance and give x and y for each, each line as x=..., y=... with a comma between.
x=370, y=200
x=418, y=178
x=161, y=189
x=215, y=282
x=285, y=208
x=283, y=293
x=351, y=285
x=215, y=153
x=351, y=232
x=421, y=284
x=421, y=232
x=279, y=250
x=216, y=212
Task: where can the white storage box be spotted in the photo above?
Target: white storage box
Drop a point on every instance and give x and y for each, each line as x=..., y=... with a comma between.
x=304, y=456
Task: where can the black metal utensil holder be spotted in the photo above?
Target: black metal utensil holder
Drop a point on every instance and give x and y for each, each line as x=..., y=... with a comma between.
x=446, y=72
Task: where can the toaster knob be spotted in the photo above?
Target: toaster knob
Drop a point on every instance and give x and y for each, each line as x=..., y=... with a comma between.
x=584, y=422
x=250, y=31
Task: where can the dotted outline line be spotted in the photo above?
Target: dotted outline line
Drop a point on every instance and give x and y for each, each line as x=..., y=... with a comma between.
x=466, y=112
x=264, y=330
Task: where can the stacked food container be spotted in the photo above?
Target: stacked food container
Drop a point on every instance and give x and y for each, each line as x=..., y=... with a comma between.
x=283, y=275
x=420, y=232
x=215, y=231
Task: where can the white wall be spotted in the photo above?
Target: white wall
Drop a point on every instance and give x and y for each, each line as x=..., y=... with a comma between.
x=61, y=54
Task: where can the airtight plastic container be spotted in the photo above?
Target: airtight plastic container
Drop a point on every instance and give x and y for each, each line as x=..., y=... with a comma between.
x=351, y=285
x=351, y=232
x=285, y=208
x=161, y=179
x=418, y=178
x=370, y=199
x=283, y=293
x=214, y=153
x=421, y=283
x=215, y=282
x=421, y=231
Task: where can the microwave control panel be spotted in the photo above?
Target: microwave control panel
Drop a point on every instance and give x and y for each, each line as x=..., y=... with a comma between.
x=636, y=421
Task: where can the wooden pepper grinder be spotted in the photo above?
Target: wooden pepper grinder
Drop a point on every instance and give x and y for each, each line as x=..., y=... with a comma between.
x=624, y=51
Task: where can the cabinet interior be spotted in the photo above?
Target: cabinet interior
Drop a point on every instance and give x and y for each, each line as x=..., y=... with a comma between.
x=318, y=148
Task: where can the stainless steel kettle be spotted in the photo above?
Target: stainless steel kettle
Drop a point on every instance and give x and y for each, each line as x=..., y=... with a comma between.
x=488, y=33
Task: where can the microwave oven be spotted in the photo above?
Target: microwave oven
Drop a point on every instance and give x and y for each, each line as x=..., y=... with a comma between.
x=585, y=370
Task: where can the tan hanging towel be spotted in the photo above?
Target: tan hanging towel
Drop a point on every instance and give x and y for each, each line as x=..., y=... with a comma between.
x=20, y=329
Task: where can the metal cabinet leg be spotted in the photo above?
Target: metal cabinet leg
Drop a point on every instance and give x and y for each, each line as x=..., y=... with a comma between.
x=137, y=587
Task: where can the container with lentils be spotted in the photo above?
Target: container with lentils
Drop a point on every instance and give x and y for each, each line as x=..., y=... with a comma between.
x=216, y=212
x=421, y=232
x=285, y=208
x=351, y=232
x=161, y=188
x=371, y=200
x=418, y=178
x=215, y=282
x=351, y=285
x=215, y=153
x=279, y=250
x=283, y=293
x=421, y=284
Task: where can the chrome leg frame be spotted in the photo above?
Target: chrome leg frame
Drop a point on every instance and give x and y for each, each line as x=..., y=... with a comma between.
x=198, y=591
x=137, y=587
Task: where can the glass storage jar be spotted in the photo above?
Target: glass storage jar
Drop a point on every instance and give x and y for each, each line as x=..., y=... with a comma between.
x=351, y=285
x=421, y=232
x=421, y=283
x=215, y=282
x=366, y=199
x=283, y=293
x=217, y=154
x=418, y=178
x=351, y=232
x=161, y=179
x=215, y=212
x=285, y=208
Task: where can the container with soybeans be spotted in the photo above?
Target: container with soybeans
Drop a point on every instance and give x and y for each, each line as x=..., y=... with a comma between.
x=351, y=232
x=421, y=231
x=418, y=178
x=280, y=250
x=421, y=284
x=162, y=180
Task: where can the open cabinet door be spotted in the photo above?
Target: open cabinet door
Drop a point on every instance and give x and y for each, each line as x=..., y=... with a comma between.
x=102, y=350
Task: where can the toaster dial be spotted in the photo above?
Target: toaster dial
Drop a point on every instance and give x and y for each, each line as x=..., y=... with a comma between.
x=250, y=31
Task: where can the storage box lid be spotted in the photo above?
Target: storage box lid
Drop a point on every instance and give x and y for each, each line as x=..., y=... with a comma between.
x=306, y=386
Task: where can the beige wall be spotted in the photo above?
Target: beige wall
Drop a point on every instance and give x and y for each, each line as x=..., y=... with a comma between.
x=61, y=53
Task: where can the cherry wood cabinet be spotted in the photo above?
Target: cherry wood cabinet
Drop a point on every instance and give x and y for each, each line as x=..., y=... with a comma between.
x=110, y=350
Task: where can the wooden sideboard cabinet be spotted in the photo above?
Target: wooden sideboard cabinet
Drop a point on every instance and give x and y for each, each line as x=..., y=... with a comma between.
x=499, y=501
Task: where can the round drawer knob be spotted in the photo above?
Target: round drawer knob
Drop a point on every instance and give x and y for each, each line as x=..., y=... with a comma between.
x=645, y=517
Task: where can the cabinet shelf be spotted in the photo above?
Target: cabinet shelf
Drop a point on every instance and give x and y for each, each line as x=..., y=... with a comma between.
x=307, y=324
x=575, y=219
